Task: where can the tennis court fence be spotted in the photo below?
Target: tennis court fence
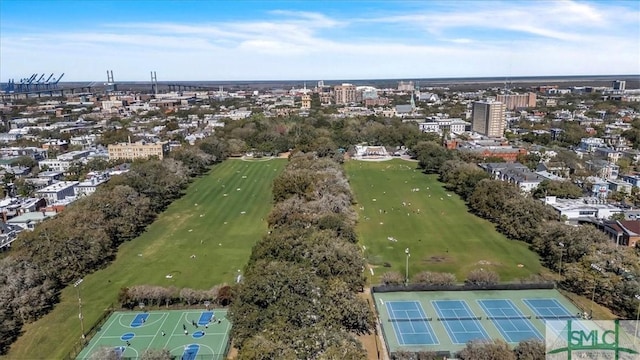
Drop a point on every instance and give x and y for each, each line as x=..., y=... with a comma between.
x=77, y=348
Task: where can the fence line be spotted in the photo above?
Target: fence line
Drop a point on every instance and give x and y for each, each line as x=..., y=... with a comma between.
x=465, y=287
x=77, y=348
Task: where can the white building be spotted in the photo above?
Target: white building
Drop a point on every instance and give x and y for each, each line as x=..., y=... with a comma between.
x=58, y=191
x=574, y=209
x=89, y=186
x=455, y=126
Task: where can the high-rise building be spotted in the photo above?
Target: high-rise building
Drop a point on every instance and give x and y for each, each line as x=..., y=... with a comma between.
x=406, y=86
x=619, y=85
x=488, y=118
x=306, y=101
x=345, y=94
x=517, y=101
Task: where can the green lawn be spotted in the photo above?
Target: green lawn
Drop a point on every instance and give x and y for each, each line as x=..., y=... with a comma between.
x=434, y=224
x=207, y=222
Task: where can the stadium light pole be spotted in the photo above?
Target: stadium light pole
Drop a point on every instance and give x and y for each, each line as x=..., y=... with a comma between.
x=561, y=253
x=77, y=286
x=406, y=275
x=593, y=296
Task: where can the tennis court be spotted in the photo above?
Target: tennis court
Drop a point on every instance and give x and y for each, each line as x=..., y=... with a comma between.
x=461, y=324
x=187, y=334
x=444, y=321
x=511, y=322
x=410, y=323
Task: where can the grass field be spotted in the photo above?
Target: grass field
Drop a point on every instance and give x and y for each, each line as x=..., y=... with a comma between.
x=205, y=223
x=433, y=223
x=164, y=330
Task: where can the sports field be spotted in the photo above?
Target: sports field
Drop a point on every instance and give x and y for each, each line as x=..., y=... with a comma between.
x=188, y=335
x=218, y=220
x=399, y=207
x=447, y=320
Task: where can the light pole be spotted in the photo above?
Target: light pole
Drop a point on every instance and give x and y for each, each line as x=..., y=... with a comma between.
x=561, y=252
x=593, y=296
x=406, y=276
x=77, y=286
x=635, y=335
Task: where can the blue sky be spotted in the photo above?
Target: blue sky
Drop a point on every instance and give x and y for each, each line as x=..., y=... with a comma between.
x=314, y=40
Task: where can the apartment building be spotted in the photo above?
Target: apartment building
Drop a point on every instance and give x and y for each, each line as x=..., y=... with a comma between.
x=345, y=94
x=517, y=101
x=488, y=118
x=138, y=150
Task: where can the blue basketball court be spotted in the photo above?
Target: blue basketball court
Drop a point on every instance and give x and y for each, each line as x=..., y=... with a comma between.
x=410, y=323
x=512, y=324
x=459, y=322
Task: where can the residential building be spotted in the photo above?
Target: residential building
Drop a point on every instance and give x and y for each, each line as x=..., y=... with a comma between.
x=623, y=233
x=619, y=186
x=517, y=101
x=345, y=94
x=58, y=191
x=610, y=155
x=89, y=186
x=28, y=221
x=591, y=144
x=138, y=150
x=514, y=173
x=603, y=168
x=488, y=118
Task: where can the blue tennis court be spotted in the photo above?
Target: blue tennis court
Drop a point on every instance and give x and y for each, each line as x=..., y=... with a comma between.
x=410, y=323
x=139, y=320
x=205, y=318
x=458, y=319
x=512, y=324
x=550, y=309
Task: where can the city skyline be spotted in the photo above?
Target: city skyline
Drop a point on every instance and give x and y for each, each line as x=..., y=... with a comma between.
x=251, y=40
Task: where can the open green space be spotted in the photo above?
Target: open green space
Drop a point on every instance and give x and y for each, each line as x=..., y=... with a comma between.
x=164, y=330
x=218, y=220
x=399, y=207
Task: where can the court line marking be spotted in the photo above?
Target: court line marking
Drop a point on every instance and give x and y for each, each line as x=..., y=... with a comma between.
x=479, y=329
x=166, y=316
x=174, y=329
x=497, y=323
x=224, y=340
x=96, y=341
x=417, y=307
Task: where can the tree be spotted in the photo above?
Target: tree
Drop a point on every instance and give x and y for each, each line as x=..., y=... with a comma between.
x=530, y=350
x=431, y=156
x=494, y=350
x=105, y=353
x=392, y=278
x=434, y=278
x=482, y=277
x=561, y=189
x=156, y=354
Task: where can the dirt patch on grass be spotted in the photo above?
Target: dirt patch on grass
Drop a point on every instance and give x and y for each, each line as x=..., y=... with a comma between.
x=436, y=259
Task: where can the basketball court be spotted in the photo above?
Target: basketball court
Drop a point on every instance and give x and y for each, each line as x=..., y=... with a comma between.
x=187, y=334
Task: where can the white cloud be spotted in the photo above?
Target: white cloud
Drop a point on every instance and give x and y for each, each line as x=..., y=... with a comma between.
x=473, y=39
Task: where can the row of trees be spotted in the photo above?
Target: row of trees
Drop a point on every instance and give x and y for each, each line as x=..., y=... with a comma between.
x=492, y=349
x=566, y=249
x=299, y=296
x=85, y=237
x=158, y=295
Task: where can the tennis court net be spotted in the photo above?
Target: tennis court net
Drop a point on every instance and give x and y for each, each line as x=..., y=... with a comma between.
x=412, y=319
x=557, y=317
x=460, y=318
x=516, y=317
